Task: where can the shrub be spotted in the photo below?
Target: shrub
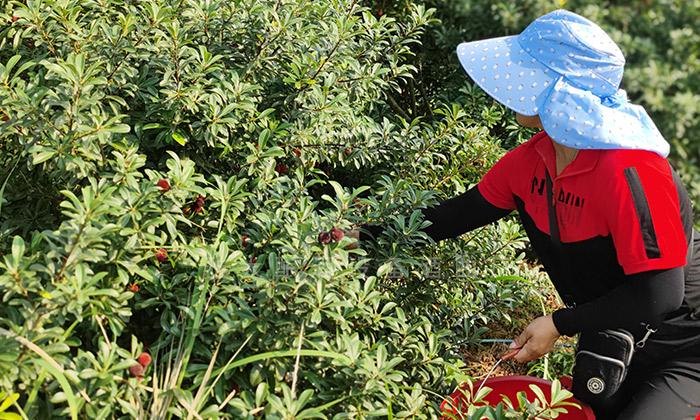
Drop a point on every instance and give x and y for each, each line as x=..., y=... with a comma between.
x=168, y=167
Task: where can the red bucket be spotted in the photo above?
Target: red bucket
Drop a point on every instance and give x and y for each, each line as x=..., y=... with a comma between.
x=509, y=386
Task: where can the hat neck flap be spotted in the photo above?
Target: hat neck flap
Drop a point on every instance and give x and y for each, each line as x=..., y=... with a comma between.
x=577, y=118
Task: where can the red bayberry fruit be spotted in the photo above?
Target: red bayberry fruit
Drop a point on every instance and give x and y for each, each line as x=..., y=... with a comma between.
x=297, y=152
x=347, y=151
x=163, y=184
x=198, y=204
x=144, y=359
x=134, y=287
x=15, y=18
x=281, y=169
x=136, y=371
x=244, y=240
x=162, y=255
x=336, y=234
x=380, y=13
x=324, y=238
x=254, y=260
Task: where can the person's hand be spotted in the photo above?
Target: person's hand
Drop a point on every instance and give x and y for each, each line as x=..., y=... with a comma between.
x=536, y=340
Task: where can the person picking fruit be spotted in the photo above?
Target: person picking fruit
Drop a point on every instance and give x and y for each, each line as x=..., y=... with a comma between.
x=606, y=214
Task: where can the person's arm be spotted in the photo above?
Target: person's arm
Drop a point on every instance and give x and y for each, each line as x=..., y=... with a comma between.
x=643, y=211
x=645, y=298
x=452, y=217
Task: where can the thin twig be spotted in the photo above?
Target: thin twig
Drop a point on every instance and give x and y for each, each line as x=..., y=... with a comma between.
x=411, y=92
x=296, y=364
x=395, y=106
x=488, y=375
x=207, y=375
x=104, y=333
x=422, y=91
x=233, y=391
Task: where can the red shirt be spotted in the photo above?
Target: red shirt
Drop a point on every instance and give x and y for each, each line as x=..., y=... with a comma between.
x=630, y=196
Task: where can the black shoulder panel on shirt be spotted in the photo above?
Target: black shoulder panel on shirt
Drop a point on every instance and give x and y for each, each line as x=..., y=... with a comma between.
x=651, y=246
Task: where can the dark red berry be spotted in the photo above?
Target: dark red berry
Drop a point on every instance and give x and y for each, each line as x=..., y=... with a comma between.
x=254, y=260
x=244, y=240
x=163, y=184
x=380, y=13
x=136, y=371
x=198, y=205
x=324, y=238
x=133, y=287
x=347, y=151
x=144, y=359
x=297, y=152
x=336, y=234
x=162, y=255
x=15, y=18
x=281, y=168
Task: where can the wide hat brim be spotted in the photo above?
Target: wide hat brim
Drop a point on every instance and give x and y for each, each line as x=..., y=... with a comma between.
x=507, y=73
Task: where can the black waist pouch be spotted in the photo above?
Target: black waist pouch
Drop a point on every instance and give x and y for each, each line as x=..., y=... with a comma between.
x=602, y=360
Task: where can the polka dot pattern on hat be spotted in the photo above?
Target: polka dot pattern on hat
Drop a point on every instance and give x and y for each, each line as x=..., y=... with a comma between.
x=576, y=118
x=513, y=77
x=566, y=69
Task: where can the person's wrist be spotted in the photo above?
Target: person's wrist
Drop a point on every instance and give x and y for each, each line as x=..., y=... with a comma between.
x=564, y=320
x=554, y=326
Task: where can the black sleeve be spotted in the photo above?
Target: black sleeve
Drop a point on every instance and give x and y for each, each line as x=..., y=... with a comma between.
x=644, y=298
x=452, y=217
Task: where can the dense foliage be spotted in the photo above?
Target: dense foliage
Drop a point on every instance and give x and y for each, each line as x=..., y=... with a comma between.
x=173, y=171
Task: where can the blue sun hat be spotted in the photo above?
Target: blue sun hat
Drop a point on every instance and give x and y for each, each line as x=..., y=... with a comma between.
x=567, y=70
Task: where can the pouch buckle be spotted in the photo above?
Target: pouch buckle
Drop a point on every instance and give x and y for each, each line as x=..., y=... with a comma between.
x=640, y=344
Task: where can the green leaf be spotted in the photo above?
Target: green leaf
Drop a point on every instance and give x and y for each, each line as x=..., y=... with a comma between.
x=539, y=393
x=151, y=126
x=43, y=156
x=385, y=269
x=120, y=128
x=8, y=401
x=180, y=138
x=17, y=248
x=65, y=386
x=286, y=353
